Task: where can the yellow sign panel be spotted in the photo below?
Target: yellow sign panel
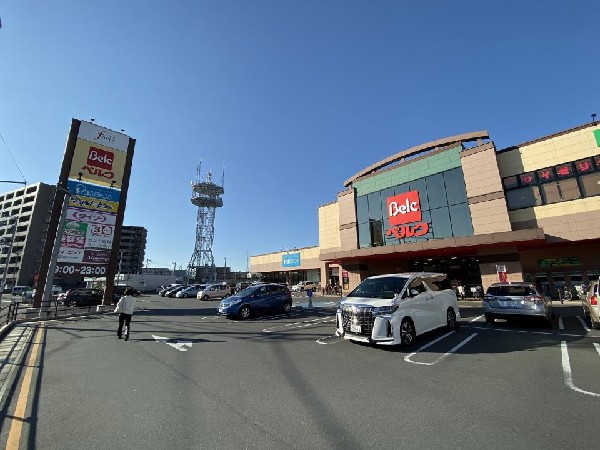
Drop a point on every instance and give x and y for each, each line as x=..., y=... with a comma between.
x=98, y=164
x=93, y=203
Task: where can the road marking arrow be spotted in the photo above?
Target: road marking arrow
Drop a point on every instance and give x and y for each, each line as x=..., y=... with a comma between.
x=182, y=346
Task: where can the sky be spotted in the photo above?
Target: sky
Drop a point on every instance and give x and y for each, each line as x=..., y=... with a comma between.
x=287, y=98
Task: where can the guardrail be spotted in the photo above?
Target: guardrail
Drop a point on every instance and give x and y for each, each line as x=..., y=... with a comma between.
x=18, y=309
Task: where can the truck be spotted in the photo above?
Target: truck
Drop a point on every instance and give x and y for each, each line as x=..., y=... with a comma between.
x=144, y=282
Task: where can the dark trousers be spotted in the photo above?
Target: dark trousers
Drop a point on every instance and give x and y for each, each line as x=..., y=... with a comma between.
x=124, y=318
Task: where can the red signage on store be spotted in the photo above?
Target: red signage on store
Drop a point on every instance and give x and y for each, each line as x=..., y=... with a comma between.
x=404, y=208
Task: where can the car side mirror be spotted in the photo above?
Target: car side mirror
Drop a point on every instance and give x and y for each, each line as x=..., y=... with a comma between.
x=414, y=292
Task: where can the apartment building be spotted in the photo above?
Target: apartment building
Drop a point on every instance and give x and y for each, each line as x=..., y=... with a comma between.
x=132, y=249
x=24, y=217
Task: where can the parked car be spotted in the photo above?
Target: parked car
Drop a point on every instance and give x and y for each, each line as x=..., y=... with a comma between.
x=304, y=285
x=394, y=309
x=171, y=293
x=190, y=291
x=591, y=305
x=214, y=291
x=167, y=289
x=256, y=299
x=119, y=291
x=81, y=297
x=242, y=285
x=513, y=300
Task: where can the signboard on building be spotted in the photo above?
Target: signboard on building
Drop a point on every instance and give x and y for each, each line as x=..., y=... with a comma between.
x=501, y=271
x=290, y=260
x=404, y=215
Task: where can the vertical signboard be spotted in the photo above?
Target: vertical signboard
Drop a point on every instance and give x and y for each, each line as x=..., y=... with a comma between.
x=94, y=176
x=95, y=180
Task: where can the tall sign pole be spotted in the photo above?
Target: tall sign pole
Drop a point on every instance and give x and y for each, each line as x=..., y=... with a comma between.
x=95, y=171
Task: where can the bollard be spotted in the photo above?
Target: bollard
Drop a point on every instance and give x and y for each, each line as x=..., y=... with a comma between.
x=309, y=293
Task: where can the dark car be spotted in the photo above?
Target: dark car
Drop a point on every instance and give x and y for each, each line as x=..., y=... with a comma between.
x=81, y=297
x=119, y=291
x=172, y=292
x=257, y=299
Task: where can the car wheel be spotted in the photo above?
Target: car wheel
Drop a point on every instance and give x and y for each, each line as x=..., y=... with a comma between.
x=205, y=297
x=451, y=322
x=287, y=307
x=407, y=332
x=489, y=318
x=244, y=312
x=184, y=295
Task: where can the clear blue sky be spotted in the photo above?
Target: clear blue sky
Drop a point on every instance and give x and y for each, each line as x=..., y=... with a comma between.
x=290, y=97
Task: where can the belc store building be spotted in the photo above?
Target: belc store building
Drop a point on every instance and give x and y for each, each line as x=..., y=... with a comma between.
x=460, y=206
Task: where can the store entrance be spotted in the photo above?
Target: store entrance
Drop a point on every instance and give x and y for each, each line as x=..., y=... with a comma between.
x=461, y=270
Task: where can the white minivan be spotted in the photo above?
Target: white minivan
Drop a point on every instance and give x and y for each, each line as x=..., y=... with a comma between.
x=394, y=309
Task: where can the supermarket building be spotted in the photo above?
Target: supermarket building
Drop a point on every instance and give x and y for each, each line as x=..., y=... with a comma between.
x=460, y=206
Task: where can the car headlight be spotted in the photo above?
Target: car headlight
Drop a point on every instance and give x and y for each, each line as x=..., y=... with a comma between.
x=235, y=301
x=390, y=309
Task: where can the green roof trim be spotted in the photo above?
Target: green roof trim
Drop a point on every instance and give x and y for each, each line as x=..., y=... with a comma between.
x=440, y=162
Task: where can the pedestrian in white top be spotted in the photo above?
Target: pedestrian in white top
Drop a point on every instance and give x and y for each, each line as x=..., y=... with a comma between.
x=125, y=308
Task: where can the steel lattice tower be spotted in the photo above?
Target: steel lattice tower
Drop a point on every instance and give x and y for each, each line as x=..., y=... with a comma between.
x=206, y=195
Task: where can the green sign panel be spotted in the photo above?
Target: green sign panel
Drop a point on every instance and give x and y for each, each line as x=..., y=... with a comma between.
x=559, y=262
x=597, y=136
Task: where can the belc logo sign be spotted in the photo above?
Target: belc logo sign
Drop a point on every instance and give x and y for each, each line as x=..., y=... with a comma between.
x=404, y=208
x=100, y=158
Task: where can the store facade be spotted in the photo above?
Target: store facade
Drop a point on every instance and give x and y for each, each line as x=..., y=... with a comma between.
x=460, y=206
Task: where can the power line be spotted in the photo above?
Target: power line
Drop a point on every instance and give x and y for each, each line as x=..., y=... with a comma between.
x=12, y=157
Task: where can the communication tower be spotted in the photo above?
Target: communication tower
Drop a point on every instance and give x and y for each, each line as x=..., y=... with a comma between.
x=206, y=195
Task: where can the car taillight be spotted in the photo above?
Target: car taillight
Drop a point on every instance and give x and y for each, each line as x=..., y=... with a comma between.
x=593, y=300
x=534, y=299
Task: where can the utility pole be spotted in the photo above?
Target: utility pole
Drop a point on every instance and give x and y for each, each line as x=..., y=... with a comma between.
x=225, y=270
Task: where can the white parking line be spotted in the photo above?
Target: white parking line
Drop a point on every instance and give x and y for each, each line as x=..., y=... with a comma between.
x=476, y=319
x=298, y=325
x=568, y=375
x=583, y=324
x=445, y=355
x=549, y=333
x=597, y=347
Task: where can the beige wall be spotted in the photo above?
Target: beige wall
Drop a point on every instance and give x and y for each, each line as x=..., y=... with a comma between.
x=549, y=152
x=489, y=213
x=348, y=225
x=329, y=226
x=514, y=272
x=272, y=262
x=565, y=221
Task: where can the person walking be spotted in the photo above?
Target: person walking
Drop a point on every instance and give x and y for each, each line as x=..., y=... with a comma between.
x=125, y=308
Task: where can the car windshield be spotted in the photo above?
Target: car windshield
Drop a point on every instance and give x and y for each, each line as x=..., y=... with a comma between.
x=511, y=291
x=382, y=287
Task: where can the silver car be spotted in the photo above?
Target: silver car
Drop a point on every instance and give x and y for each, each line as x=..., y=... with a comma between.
x=512, y=300
x=591, y=305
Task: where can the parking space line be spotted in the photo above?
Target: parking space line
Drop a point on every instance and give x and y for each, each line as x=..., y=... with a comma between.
x=597, y=346
x=568, y=375
x=548, y=333
x=407, y=358
x=583, y=324
x=476, y=319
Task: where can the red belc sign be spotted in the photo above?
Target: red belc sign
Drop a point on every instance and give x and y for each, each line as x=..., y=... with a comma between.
x=404, y=211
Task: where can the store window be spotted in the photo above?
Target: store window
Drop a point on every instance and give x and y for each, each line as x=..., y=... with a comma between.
x=523, y=198
x=374, y=200
x=460, y=217
x=590, y=184
x=376, y=231
x=442, y=228
x=362, y=209
x=456, y=191
x=364, y=235
x=436, y=191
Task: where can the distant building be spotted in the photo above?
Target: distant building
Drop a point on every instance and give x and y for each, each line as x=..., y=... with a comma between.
x=28, y=208
x=157, y=271
x=132, y=249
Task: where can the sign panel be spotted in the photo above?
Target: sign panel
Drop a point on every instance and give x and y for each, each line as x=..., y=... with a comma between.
x=91, y=203
x=93, y=191
x=97, y=164
x=103, y=136
x=291, y=260
x=404, y=213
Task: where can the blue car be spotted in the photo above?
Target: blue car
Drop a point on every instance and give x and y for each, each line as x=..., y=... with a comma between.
x=257, y=299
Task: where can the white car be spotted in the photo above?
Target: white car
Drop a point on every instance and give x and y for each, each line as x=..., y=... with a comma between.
x=190, y=291
x=394, y=309
x=214, y=291
x=304, y=285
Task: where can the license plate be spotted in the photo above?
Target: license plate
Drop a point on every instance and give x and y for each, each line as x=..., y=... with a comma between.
x=355, y=328
x=509, y=304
